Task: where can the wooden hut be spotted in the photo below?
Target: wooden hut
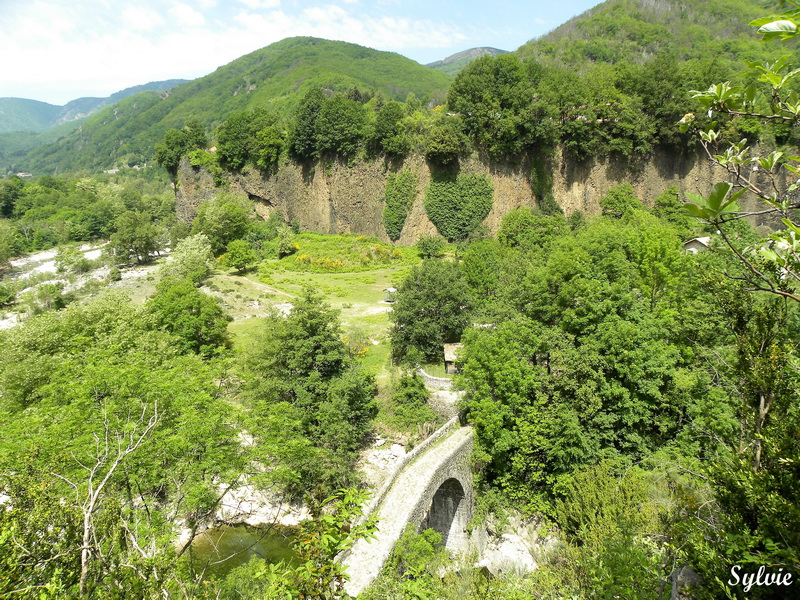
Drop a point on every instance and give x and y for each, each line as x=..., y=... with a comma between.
x=450, y=352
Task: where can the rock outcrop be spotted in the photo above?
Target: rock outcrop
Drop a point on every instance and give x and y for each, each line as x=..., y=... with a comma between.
x=340, y=198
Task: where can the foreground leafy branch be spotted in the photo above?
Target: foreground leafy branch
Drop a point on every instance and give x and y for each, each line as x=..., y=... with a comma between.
x=773, y=265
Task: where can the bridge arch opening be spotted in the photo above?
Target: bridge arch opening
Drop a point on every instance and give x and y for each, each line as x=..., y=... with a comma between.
x=449, y=514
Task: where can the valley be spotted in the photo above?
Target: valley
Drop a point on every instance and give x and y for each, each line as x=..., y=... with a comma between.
x=328, y=323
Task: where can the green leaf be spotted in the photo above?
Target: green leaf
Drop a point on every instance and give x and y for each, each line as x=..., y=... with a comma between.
x=791, y=225
x=698, y=212
x=781, y=26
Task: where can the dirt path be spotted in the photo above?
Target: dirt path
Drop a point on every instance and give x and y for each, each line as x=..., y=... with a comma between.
x=271, y=290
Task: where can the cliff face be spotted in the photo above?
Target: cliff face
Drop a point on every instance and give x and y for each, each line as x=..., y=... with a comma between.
x=337, y=198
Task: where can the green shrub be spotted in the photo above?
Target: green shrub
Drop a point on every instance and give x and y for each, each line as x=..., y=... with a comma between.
x=7, y=294
x=222, y=219
x=71, y=260
x=619, y=200
x=401, y=189
x=430, y=246
x=202, y=158
x=457, y=206
x=344, y=253
x=410, y=391
x=340, y=127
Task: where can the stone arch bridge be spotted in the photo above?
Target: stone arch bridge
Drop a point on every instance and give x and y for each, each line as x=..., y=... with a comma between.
x=431, y=488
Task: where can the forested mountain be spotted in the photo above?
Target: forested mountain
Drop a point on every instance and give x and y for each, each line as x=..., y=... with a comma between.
x=637, y=30
x=20, y=114
x=455, y=62
x=275, y=77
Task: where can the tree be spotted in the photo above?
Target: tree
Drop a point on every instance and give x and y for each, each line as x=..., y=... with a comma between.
x=195, y=134
x=268, y=148
x=194, y=317
x=491, y=95
x=340, y=127
x=444, y=142
x=176, y=143
x=223, y=219
x=286, y=243
x=387, y=134
x=249, y=136
x=483, y=266
x=303, y=136
x=8, y=242
x=10, y=191
x=170, y=150
x=301, y=363
x=528, y=229
x=191, y=259
x=239, y=254
x=136, y=237
x=141, y=439
x=755, y=483
x=432, y=308
x=430, y=246
x=619, y=200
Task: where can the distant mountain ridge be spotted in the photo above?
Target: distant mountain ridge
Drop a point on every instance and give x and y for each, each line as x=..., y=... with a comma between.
x=22, y=114
x=455, y=62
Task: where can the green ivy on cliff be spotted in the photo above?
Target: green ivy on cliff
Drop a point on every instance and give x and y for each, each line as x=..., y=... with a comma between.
x=401, y=188
x=457, y=206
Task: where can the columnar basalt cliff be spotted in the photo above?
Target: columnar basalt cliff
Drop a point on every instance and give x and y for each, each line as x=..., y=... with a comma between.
x=338, y=198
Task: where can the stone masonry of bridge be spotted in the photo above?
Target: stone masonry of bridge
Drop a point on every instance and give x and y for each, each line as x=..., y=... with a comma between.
x=434, y=489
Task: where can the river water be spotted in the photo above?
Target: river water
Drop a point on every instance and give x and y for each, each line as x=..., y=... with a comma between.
x=225, y=547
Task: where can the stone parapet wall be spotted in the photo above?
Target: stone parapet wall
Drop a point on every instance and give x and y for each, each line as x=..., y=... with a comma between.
x=376, y=500
x=435, y=383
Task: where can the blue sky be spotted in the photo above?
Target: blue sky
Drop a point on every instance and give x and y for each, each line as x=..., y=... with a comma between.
x=59, y=50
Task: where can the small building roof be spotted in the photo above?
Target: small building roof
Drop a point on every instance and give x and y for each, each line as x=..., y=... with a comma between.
x=697, y=244
x=450, y=351
x=705, y=240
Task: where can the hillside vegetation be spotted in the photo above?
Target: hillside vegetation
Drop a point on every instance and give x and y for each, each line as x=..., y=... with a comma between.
x=276, y=77
x=637, y=30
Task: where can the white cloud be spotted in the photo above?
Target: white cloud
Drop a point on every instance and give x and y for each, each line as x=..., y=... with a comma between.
x=187, y=16
x=324, y=14
x=261, y=4
x=57, y=51
x=141, y=18
x=335, y=22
